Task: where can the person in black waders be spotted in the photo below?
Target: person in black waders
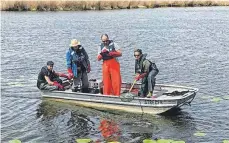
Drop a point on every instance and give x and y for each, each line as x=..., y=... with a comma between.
x=145, y=70
x=48, y=79
x=78, y=65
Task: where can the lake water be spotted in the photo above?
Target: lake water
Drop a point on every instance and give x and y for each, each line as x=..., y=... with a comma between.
x=189, y=45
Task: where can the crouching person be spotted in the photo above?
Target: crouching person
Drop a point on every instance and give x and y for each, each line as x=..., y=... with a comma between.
x=145, y=70
x=48, y=79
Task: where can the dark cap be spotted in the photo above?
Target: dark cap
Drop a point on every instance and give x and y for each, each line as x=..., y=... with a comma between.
x=50, y=63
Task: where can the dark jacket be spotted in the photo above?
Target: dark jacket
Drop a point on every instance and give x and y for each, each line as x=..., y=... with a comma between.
x=143, y=65
x=45, y=72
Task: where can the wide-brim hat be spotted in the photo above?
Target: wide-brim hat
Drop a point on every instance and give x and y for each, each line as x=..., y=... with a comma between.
x=74, y=43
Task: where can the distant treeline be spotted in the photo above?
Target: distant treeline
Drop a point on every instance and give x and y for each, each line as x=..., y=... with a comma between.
x=75, y=5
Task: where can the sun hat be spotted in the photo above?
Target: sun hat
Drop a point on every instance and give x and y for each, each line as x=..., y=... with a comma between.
x=74, y=42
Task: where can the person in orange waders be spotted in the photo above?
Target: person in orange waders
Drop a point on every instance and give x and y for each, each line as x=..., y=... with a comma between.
x=109, y=51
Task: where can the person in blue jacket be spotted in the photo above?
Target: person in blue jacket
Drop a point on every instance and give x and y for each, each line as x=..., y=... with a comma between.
x=78, y=65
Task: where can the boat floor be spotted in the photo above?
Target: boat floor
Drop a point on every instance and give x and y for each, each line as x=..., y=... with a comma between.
x=159, y=93
x=162, y=93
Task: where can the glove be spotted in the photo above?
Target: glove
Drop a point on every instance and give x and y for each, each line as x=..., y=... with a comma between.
x=70, y=73
x=70, y=76
x=106, y=53
x=139, y=76
x=104, y=50
x=63, y=75
x=99, y=57
x=115, y=54
x=88, y=68
x=60, y=87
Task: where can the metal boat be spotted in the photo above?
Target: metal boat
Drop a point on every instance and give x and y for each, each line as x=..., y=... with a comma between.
x=165, y=98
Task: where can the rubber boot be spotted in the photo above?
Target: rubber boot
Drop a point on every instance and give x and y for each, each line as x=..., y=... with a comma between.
x=85, y=90
x=149, y=95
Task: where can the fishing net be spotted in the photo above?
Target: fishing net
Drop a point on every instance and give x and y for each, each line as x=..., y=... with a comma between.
x=127, y=97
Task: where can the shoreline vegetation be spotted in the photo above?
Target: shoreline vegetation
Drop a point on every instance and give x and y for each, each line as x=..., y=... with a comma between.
x=81, y=5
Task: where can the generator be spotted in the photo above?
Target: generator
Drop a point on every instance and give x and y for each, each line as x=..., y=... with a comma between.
x=95, y=86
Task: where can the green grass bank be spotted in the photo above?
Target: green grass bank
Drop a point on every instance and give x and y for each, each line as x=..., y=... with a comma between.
x=79, y=5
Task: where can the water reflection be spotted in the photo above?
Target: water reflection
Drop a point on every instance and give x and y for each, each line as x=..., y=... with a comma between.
x=70, y=122
x=64, y=123
x=110, y=130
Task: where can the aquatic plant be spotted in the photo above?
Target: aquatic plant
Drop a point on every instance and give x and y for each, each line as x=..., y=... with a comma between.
x=226, y=97
x=15, y=141
x=216, y=99
x=164, y=141
x=178, y=142
x=75, y=5
x=161, y=141
x=225, y=141
x=199, y=134
x=149, y=141
x=83, y=141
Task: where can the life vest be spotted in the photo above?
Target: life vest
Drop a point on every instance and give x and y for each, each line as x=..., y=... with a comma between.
x=139, y=64
x=110, y=48
x=79, y=58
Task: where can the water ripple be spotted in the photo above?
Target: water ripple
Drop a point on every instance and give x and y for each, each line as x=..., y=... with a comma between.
x=189, y=46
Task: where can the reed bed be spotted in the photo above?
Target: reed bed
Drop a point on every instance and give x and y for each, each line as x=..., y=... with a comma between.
x=79, y=5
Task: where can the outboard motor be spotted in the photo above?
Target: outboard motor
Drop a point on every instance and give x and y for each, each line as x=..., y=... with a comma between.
x=95, y=86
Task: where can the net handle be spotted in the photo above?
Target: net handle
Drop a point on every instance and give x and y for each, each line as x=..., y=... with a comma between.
x=132, y=85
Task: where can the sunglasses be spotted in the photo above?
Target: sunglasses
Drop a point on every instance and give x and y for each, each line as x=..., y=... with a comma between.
x=106, y=41
x=75, y=46
x=136, y=55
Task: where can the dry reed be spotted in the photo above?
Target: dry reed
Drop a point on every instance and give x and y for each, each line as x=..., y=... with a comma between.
x=75, y=5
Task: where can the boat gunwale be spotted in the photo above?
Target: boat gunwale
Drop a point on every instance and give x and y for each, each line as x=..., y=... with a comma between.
x=113, y=96
x=174, y=102
x=115, y=103
x=112, y=100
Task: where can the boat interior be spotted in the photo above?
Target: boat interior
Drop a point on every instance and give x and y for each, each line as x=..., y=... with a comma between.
x=160, y=91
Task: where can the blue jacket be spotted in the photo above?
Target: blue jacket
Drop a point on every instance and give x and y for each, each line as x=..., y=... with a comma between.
x=73, y=57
